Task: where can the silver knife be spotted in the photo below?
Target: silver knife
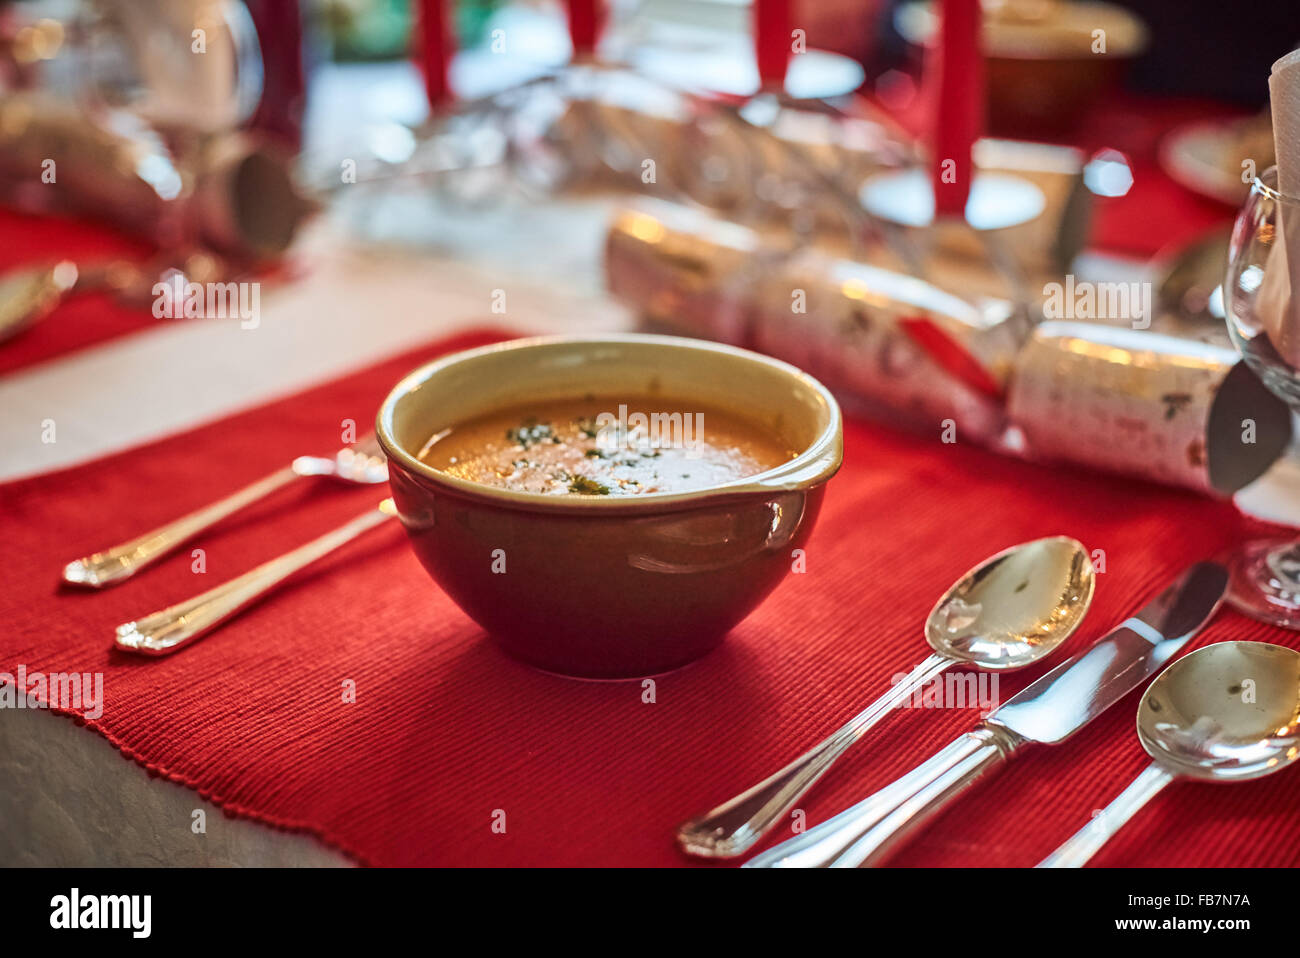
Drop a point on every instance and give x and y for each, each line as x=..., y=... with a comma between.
x=1048, y=711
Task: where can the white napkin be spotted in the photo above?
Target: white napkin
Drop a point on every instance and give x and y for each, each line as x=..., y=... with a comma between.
x=1278, y=309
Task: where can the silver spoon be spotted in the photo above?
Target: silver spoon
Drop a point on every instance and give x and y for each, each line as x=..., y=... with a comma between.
x=1011, y=610
x=1229, y=712
x=363, y=463
x=29, y=294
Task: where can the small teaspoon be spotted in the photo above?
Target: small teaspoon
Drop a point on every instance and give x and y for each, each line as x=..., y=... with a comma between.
x=1008, y=612
x=1229, y=712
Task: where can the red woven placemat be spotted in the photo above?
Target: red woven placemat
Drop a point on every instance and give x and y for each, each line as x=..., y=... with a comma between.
x=446, y=730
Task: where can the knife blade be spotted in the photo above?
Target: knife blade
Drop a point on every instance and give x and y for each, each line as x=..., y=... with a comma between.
x=1058, y=704
x=1047, y=711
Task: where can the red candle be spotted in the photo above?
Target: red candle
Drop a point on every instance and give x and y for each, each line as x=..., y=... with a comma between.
x=284, y=83
x=585, y=21
x=434, y=45
x=958, y=66
x=773, y=25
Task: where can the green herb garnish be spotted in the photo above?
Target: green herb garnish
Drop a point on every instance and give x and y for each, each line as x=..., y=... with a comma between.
x=588, y=487
x=530, y=433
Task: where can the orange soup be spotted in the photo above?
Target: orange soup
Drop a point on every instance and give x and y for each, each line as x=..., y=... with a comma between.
x=599, y=447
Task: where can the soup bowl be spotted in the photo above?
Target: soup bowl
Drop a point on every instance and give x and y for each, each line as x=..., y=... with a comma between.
x=609, y=586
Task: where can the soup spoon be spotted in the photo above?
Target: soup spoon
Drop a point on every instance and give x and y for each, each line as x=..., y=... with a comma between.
x=1008, y=612
x=1229, y=712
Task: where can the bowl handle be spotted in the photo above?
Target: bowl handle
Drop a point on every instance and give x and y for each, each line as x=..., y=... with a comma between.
x=796, y=475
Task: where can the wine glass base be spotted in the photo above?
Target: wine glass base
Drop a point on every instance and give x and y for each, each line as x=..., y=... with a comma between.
x=1264, y=581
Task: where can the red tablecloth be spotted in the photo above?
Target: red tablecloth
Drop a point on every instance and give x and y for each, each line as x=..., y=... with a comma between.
x=446, y=730
x=1157, y=213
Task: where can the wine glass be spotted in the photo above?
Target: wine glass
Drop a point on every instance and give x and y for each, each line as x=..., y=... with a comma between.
x=180, y=65
x=1265, y=579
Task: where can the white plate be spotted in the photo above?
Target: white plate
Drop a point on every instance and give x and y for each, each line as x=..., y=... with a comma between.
x=1200, y=157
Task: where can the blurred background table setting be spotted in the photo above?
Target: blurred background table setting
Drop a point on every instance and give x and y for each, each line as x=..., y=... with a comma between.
x=988, y=297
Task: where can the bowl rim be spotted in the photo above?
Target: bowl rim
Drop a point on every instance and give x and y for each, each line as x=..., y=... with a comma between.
x=813, y=466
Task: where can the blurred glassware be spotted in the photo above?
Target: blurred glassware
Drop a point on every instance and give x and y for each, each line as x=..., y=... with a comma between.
x=742, y=150
x=199, y=61
x=231, y=192
x=182, y=66
x=670, y=109
x=123, y=172
x=1265, y=573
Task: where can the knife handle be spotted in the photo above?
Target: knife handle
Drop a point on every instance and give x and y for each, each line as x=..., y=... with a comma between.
x=865, y=833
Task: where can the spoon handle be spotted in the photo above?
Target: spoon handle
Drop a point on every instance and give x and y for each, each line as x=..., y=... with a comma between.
x=175, y=627
x=866, y=832
x=120, y=562
x=732, y=828
x=1087, y=841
